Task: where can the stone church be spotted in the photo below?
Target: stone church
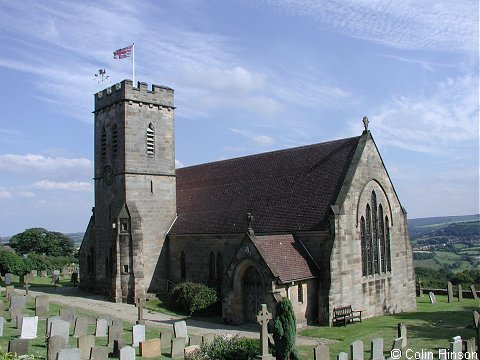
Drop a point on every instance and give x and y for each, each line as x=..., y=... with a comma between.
x=320, y=224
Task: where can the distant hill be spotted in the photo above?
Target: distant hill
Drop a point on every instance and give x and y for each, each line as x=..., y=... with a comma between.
x=76, y=237
x=468, y=225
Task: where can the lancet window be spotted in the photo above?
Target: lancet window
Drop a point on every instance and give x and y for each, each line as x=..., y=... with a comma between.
x=114, y=140
x=150, y=141
x=103, y=144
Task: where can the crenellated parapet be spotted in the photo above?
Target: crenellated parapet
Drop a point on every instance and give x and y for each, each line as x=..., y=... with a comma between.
x=161, y=96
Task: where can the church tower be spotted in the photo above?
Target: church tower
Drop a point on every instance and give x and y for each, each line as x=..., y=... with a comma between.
x=135, y=199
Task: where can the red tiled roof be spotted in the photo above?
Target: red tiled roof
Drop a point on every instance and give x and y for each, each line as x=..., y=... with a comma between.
x=286, y=191
x=286, y=258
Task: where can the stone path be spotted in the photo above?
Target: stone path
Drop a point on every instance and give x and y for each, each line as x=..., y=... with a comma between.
x=97, y=304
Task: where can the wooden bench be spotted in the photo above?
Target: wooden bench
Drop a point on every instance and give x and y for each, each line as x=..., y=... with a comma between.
x=345, y=314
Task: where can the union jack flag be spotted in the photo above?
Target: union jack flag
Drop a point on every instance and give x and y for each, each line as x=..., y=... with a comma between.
x=123, y=53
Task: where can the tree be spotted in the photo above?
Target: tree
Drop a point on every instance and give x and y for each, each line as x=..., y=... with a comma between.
x=42, y=241
x=11, y=263
x=284, y=331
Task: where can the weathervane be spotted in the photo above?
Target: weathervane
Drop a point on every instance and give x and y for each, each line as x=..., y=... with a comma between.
x=365, y=123
x=102, y=76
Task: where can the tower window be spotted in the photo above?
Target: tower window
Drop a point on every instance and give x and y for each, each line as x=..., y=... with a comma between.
x=300, y=293
x=114, y=140
x=103, y=144
x=124, y=225
x=150, y=141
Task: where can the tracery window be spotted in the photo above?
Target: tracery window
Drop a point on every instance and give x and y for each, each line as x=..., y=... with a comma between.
x=150, y=141
x=375, y=239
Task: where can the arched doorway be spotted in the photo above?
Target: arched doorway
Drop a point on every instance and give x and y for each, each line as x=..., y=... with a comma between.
x=253, y=293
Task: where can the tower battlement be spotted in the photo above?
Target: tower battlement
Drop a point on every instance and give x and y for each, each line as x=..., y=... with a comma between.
x=125, y=91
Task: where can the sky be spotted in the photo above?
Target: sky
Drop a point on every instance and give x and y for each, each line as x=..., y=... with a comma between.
x=249, y=77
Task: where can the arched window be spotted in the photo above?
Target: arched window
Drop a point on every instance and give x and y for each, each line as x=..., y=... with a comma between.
x=150, y=141
x=364, y=247
x=300, y=293
x=219, y=266
x=114, y=140
x=103, y=144
x=183, y=270
x=211, y=267
x=368, y=238
x=376, y=260
x=388, y=255
x=381, y=235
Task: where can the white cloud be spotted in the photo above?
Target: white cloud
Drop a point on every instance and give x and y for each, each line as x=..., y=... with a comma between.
x=178, y=164
x=11, y=193
x=67, y=186
x=259, y=140
x=34, y=165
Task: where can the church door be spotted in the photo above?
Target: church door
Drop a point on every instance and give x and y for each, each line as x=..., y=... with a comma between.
x=253, y=294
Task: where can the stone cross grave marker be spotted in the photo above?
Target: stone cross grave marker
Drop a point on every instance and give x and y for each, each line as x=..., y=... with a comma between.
x=127, y=353
x=54, y=344
x=85, y=344
x=150, y=348
x=431, y=295
x=450, y=292
x=8, y=278
x=19, y=346
x=101, y=327
x=321, y=352
x=69, y=354
x=472, y=289
x=60, y=327
x=29, y=327
x=263, y=318
x=138, y=335
x=139, y=305
x=460, y=293
x=180, y=330
x=356, y=350
x=26, y=287
x=377, y=349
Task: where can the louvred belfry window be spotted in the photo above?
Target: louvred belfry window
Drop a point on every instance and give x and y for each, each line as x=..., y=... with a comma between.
x=150, y=141
x=103, y=142
x=115, y=141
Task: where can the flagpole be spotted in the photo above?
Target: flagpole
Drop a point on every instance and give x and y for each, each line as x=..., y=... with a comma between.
x=133, y=64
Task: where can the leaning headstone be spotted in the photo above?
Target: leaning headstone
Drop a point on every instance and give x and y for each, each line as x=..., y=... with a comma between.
x=68, y=314
x=127, y=353
x=54, y=344
x=356, y=350
x=402, y=333
x=321, y=352
x=8, y=278
x=81, y=326
x=377, y=349
x=431, y=295
x=180, y=330
x=460, y=293
x=60, y=327
x=342, y=356
x=397, y=345
x=42, y=300
x=166, y=338
x=101, y=328
x=138, y=335
x=2, y=321
x=474, y=292
x=150, y=348
x=195, y=340
x=69, y=354
x=178, y=346
x=208, y=338
x=114, y=333
x=19, y=346
x=450, y=292
x=85, y=344
x=476, y=319
x=18, y=301
x=29, y=327
x=99, y=353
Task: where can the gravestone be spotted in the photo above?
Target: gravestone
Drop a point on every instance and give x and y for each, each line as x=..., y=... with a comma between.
x=195, y=340
x=377, y=349
x=69, y=354
x=150, y=348
x=178, y=346
x=2, y=308
x=9, y=291
x=61, y=328
x=41, y=312
x=402, y=333
x=474, y=292
x=81, y=326
x=13, y=315
x=56, y=272
x=101, y=328
x=34, y=273
x=18, y=301
x=43, y=273
x=49, y=322
x=19, y=346
x=29, y=278
x=397, y=344
x=85, y=344
x=68, y=314
x=74, y=279
x=8, y=278
x=470, y=348
x=127, y=353
x=456, y=348
x=42, y=300
x=117, y=323
x=138, y=335
x=139, y=305
x=431, y=295
x=117, y=345
x=356, y=350
x=189, y=350
x=342, y=356
x=263, y=318
x=180, y=330
x=2, y=321
x=19, y=320
x=321, y=352
x=99, y=353
x=460, y=293
x=166, y=338
x=54, y=344
x=450, y=292
x=114, y=333
x=476, y=319
x=208, y=338
x=29, y=327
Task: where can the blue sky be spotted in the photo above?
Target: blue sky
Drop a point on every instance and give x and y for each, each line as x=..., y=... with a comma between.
x=249, y=77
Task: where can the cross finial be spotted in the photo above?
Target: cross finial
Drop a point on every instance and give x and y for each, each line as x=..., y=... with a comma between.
x=249, y=217
x=365, y=123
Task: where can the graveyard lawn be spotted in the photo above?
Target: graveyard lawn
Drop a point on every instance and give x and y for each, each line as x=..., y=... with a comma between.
x=430, y=327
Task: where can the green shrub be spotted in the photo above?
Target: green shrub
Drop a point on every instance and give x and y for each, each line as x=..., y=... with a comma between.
x=11, y=263
x=284, y=331
x=234, y=348
x=192, y=298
